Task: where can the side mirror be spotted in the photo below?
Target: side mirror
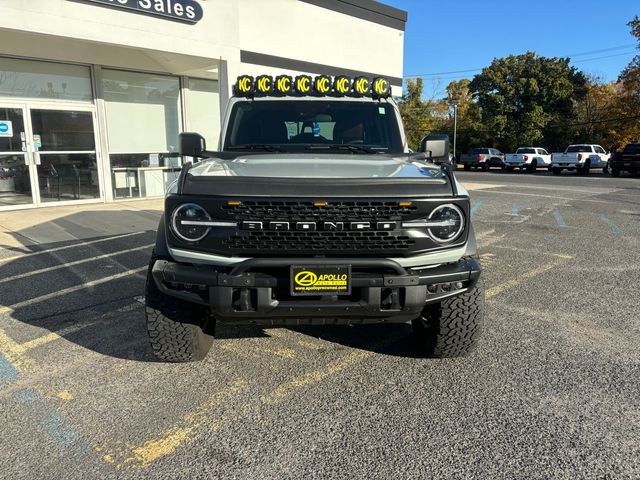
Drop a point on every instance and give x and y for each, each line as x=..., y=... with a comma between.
x=192, y=144
x=436, y=147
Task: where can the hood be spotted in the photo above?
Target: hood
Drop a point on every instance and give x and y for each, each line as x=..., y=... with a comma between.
x=317, y=166
x=315, y=175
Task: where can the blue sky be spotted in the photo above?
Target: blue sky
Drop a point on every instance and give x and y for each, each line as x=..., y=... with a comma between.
x=454, y=35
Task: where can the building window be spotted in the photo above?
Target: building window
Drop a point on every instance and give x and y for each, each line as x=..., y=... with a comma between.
x=143, y=123
x=44, y=80
x=204, y=110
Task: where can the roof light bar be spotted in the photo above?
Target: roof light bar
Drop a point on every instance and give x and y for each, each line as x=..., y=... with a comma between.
x=306, y=85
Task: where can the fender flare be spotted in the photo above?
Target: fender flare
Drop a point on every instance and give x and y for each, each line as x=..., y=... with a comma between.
x=161, y=249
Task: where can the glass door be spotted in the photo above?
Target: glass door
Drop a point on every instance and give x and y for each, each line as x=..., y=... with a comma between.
x=17, y=170
x=65, y=154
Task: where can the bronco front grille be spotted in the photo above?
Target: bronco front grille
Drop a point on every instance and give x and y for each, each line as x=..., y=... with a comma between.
x=336, y=211
x=335, y=243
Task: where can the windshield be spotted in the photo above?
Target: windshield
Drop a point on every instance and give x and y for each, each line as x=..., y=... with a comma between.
x=633, y=148
x=315, y=125
x=579, y=149
x=525, y=150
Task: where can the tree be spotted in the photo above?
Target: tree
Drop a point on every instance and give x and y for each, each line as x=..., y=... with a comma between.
x=528, y=99
x=626, y=127
x=420, y=117
x=470, y=132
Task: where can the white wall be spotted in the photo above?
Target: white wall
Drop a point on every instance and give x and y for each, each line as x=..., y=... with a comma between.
x=80, y=32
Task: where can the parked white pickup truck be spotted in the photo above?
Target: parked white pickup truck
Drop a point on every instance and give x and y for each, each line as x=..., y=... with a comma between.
x=581, y=158
x=529, y=158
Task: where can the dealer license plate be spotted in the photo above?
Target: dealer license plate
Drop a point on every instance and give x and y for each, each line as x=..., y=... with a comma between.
x=320, y=280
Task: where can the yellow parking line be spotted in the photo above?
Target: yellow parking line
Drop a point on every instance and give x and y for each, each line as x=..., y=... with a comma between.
x=13, y=353
x=256, y=351
x=77, y=262
x=73, y=289
x=315, y=376
x=549, y=254
x=152, y=450
x=493, y=291
x=66, y=247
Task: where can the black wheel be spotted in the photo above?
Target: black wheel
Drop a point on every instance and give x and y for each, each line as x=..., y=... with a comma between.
x=556, y=170
x=550, y=169
x=485, y=167
x=176, y=328
x=450, y=328
x=614, y=172
x=467, y=167
x=585, y=170
x=605, y=169
x=509, y=169
x=532, y=167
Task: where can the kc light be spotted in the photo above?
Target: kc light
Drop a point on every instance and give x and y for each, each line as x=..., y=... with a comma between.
x=381, y=87
x=244, y=85
x=303, y=84
x=322, y=85
x=361, y=86
x=284, y=85
x=342, y=85
x=190, y=222
x=264, y=84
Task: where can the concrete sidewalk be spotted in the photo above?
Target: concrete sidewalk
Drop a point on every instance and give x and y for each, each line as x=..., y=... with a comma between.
x=22, y=230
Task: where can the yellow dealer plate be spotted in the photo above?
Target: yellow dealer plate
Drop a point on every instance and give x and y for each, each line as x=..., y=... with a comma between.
x=320, y=280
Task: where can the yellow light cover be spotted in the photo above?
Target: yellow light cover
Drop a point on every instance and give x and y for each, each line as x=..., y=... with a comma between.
x=342, y=85
x=264, y=84
x=361, y=85
x=303, y=84
x=234, y=203
x=320, y=204
x=244, y=85
x=322, y=84
x=284, y=84
x=381, y=87
x=405, y=204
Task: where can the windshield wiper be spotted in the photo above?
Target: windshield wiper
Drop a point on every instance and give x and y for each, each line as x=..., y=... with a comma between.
x=349, y=147
x=256, y=146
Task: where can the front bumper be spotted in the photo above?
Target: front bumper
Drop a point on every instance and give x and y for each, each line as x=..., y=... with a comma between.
x=257, y=290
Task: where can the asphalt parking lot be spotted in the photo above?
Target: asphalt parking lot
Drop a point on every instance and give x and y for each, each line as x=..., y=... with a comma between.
x=553, y=390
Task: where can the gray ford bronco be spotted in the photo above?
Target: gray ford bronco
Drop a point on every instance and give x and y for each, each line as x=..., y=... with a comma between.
x=313, y=212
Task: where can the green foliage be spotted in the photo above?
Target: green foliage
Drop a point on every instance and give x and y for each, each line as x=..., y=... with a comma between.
x=419, y=116
x=528, y=100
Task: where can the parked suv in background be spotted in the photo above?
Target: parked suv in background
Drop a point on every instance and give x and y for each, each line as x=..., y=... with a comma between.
x=483, y=158
x=628, y=160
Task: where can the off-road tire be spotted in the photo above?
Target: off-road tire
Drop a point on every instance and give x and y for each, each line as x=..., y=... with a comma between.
x=451, y=328
x=175, y=327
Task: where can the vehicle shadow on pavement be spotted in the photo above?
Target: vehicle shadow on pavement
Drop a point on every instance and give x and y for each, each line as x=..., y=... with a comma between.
x=88, y=287
x=395, y=339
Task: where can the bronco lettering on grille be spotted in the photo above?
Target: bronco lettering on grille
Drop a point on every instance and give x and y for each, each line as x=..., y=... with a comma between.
x=313, y=226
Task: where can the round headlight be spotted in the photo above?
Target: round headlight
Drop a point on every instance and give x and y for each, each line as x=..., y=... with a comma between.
x=189, y=222
x=447, y=223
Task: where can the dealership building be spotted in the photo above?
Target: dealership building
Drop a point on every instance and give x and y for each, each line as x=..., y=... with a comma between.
x=93, y=93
